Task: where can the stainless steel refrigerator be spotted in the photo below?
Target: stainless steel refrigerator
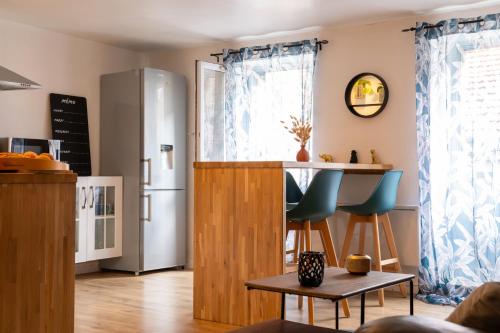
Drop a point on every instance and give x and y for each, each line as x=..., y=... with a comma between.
x=143, y=138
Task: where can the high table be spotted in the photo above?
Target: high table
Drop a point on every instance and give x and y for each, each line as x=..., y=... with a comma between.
x=239, y=235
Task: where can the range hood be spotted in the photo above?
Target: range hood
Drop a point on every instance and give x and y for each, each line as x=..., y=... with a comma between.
x=12, y=81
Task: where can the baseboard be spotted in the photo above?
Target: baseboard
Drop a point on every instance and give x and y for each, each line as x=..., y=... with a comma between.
x=87, y=267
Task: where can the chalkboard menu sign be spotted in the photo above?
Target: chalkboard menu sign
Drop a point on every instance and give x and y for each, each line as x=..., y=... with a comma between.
x=70, y=125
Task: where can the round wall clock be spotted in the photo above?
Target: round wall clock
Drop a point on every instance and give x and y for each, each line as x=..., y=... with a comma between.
x=366, y=95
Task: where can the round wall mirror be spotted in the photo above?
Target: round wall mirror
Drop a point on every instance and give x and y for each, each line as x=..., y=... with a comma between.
x=366, y=95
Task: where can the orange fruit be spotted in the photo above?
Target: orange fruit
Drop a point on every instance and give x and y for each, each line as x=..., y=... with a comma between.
x=30, y=154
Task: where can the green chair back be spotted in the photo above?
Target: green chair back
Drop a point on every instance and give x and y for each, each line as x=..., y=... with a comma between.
x=383, y=198
x=293, y=192
x=320, y=199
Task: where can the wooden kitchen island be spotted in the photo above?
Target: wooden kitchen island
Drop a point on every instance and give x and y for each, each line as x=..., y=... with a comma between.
x=37, y=252
x=239, y=235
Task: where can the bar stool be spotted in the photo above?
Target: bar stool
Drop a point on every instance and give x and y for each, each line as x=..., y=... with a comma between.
x=318, y=203
x=373, y=211
x=293, y=196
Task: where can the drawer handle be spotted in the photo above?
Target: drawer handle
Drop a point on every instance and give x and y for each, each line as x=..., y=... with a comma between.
x=84, y=191
x=92, y=202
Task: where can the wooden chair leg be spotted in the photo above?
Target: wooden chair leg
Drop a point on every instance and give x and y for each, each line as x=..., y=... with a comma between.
x=310, y=303
x=362, y=233
x=347, y=240
x=326, y=240
x=386, y=224
x=300, y=301
x=331, y=256
x=376, y=254
x=296, y=246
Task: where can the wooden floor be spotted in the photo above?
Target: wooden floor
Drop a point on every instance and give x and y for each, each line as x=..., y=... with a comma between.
x=162, y=302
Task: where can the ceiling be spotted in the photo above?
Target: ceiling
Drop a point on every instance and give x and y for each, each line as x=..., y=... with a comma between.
x=152, y=24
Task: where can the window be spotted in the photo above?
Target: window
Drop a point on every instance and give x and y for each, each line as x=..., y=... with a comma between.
x=261, y=89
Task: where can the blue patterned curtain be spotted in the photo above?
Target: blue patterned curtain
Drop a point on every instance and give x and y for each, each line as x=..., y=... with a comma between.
x=264, y=85
x=458, y=137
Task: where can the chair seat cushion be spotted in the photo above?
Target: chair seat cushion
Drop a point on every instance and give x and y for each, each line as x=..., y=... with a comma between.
x=481, y=309
x=362, y=210
x=412, y=324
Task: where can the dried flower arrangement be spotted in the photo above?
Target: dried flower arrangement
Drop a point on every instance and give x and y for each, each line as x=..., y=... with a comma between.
x=301, y=129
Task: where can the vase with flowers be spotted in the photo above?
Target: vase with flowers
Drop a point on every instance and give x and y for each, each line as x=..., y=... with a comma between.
x=301, y=130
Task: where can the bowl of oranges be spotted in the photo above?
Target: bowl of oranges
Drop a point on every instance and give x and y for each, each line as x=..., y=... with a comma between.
x=29, y=161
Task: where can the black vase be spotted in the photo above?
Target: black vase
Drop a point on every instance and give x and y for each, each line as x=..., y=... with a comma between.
x=311, y=268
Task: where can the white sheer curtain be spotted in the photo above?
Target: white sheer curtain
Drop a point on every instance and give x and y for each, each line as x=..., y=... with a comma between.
x=458, y=135
x=264, y=85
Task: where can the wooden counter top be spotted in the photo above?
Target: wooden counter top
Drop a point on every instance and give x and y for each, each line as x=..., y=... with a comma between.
x=349, y=168
x=45, y=177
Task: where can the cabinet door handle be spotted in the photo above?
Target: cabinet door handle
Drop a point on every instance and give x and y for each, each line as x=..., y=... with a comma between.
x=84, y=191
x=148, y=218
x=92, y=202
x=148, y=178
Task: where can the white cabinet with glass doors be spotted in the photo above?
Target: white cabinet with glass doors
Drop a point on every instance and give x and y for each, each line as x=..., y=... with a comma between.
x=98, y=218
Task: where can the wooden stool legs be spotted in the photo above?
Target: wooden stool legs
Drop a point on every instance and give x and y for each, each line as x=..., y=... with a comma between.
x=303, y=233
x=310, y=302
x=377, y=257
x=386, y=224
x=301, y=249
x=331, y=256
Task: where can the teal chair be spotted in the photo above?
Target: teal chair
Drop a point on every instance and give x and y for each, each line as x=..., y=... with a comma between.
x=310, y=213
x=373, y=211
x=293, y=192
x=293, y=196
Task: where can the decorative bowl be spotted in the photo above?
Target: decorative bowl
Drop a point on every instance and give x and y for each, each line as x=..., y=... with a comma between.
x=358, y=263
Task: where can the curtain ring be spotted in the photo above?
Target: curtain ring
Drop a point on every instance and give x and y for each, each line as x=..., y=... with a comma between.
x=460, y=25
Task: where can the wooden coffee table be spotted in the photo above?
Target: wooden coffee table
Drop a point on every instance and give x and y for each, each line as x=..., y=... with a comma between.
x=337, y=285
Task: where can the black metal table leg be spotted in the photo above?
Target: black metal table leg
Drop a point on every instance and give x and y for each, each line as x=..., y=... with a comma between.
x=282, y=306
x=411, y=297
x=337, y=315
x=362, y=320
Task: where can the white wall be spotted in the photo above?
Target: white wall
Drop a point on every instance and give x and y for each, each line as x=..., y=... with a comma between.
x=70, y=65
x=380, y=48
x=61, y=64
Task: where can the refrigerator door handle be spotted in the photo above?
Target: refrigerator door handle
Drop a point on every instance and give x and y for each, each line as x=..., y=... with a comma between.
x=148, y=178
x=148, y=218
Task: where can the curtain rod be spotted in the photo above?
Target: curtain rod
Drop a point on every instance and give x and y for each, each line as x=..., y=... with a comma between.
x=320, y=43
x=440, y=25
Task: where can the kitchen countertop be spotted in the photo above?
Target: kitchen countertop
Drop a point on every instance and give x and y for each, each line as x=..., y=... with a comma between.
x=349, y=168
